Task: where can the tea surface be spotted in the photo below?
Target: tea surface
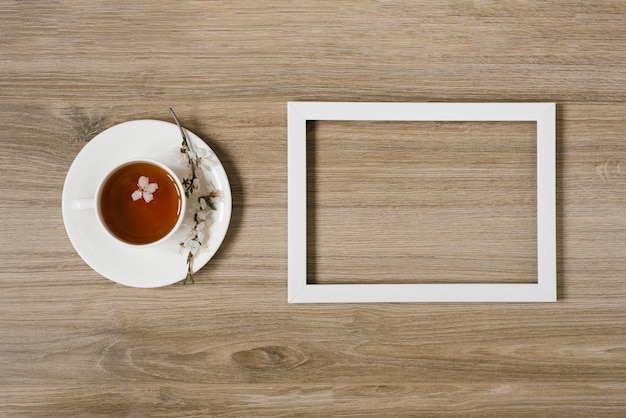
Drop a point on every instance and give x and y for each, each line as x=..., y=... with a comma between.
x=140, y=211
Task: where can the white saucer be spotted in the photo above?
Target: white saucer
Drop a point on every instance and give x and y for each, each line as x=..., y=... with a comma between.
x=154, y=266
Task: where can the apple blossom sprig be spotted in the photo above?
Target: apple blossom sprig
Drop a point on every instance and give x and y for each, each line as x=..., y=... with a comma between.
x=202, y=202
x=193, y=182
x=197, y=236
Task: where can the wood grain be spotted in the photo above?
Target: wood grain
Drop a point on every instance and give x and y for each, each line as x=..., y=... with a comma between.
x=73, y=343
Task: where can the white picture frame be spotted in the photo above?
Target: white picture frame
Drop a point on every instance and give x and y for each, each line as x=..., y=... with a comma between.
x=300, y=291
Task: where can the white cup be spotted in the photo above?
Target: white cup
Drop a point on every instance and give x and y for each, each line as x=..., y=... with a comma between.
x=141, y=193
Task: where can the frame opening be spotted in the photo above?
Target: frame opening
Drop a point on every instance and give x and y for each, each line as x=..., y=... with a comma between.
x=432, y=202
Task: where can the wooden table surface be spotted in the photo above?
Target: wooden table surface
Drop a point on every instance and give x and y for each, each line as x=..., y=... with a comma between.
x=408, y=202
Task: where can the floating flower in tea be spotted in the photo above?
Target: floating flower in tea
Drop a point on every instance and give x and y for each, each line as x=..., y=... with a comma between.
x=145, y=190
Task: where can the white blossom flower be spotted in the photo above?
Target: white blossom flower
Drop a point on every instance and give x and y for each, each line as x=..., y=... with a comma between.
x=200, y=235
x=145, y=189
x=203, y=158
x=178, y=158
x=201, y=216
x=193, y=245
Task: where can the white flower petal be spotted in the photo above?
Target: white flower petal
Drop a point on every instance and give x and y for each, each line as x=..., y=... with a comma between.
x=180, y=156
x=205, y=154
x=143, y=182
x=151, y=188
x=147, y=197
x=194, y=246
x=136, y=195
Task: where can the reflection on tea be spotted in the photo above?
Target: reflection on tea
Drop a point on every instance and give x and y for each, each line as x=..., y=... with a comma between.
x=140, y=203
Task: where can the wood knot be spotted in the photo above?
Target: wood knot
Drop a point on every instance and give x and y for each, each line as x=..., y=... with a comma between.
x=268, y=357
x=610, y=169
x=85, y=123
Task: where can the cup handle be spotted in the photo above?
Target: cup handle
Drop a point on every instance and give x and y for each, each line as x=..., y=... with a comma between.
x=82, y=204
